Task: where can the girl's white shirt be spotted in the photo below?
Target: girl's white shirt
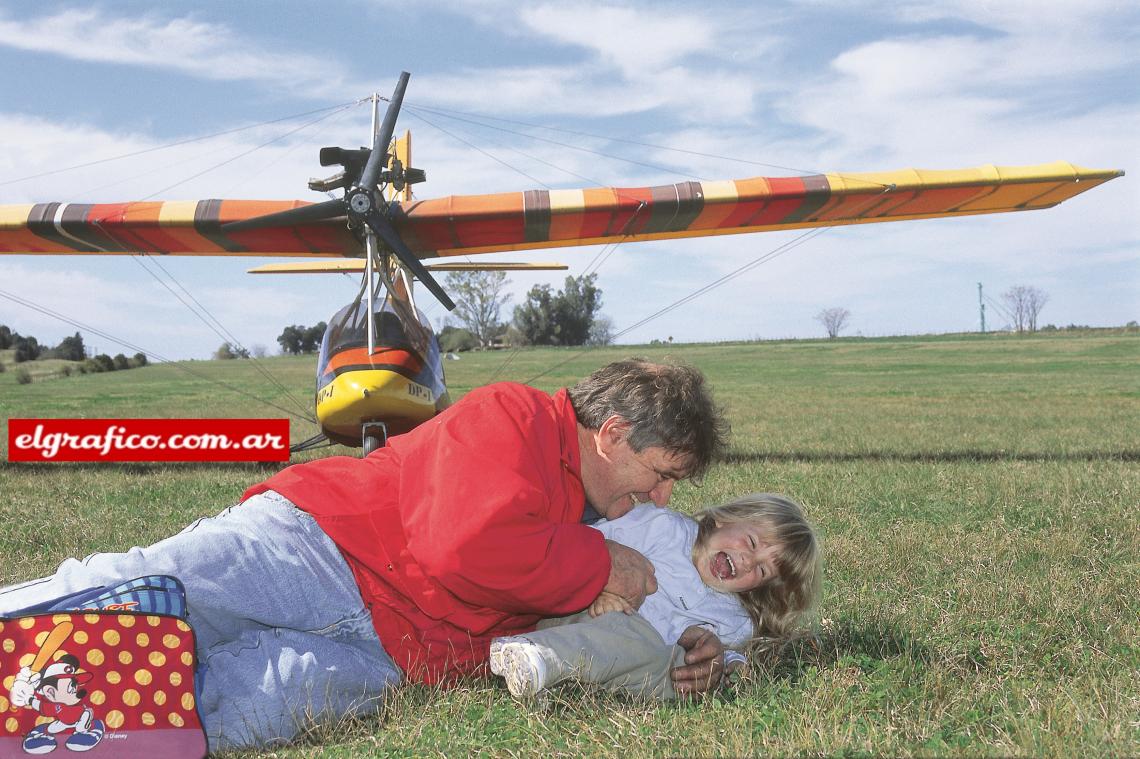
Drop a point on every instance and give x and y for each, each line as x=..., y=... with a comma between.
x=666, y=538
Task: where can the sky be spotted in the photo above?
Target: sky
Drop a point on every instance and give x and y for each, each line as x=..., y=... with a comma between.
x=233, y=100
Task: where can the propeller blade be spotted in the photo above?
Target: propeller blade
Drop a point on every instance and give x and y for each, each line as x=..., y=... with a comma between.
x=329, y=209
x=379, y=158
x=383, y=228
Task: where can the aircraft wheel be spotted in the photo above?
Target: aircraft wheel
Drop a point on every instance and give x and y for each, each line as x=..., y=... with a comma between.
x=372, y=441
x=373, y=435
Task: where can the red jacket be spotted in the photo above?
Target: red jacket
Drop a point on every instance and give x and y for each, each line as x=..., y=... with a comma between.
x=462, y=530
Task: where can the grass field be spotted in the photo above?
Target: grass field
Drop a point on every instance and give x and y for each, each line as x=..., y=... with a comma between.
x=978, y=498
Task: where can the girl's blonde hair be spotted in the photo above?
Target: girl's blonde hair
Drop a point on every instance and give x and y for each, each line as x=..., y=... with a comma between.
x=776, y=606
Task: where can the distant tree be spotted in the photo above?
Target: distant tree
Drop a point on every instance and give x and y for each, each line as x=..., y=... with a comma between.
x=1024, y=304
x=71, y=348
x=120, y=361
x=227, y=351
x=562, y=318
x=833, y=320
x=139, y=359
x=535, y=316
x=479, y=300
x=291, y=339
x=312, y=336
x=27, y=348
x=456, y=339
x=574, y=309
x=6, y=337
x=602, y=331
x=102, y=363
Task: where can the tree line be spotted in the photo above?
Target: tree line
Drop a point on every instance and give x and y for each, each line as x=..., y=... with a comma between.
x=28, y=348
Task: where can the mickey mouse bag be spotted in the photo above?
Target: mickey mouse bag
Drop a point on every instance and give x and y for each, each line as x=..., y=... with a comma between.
x=106, y=671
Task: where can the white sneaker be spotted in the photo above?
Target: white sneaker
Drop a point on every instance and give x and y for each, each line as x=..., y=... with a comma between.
x=497, y=645
x=521, y=663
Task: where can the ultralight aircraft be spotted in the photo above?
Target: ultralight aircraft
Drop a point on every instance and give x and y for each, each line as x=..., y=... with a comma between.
x=379, y=370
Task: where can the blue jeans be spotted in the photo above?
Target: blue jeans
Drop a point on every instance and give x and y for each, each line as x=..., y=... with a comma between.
x=282, y=633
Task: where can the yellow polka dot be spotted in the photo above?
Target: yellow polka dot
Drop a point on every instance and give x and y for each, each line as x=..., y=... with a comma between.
x=175, y=678
x=187, y=701
x=143, y=676
x=80, y=637
x=95, y=657
x=92, y=618
x=160, y=697
x=154, y=621
x=157, y=658
x=1, y=627
x=170, y=640
x=127, y=620
x=131, y=697
x=12, y=724
x=8, y=682
x=44, y=721
x=187, y=658
x=147, y=718
x=97, y=698
x=114, y=719
x=27, y=659
x=27, y=623
x=3, y=704
x=176, y=719
x=9, y=645
x=143, y=640
x=111, y=637
x=113, y=677
x=60, y=618
x=125, y=657
x=183, y=626
x=41, y=637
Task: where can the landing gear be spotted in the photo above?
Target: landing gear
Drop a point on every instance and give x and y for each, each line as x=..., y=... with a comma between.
x=373, y=435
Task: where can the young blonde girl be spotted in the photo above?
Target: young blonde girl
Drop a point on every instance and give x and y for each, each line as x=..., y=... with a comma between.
x=747, y=571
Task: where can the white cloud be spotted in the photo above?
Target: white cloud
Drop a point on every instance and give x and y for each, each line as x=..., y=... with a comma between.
x=632, y=40
x=196, y=48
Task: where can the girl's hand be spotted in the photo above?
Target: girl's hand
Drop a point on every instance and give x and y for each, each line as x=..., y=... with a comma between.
x=607, y=601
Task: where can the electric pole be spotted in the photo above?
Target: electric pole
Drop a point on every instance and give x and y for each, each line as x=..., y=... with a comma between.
x=982, y=307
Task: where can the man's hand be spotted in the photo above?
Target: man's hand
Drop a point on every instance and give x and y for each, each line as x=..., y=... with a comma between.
x=704, y=662
x=631, y=574
x=606, y=602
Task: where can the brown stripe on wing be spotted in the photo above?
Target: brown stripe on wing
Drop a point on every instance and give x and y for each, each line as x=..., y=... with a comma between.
x=41, y=221
x=207, y=223
x=536, y=215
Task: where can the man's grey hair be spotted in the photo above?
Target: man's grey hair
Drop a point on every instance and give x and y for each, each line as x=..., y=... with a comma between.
x=666, y=405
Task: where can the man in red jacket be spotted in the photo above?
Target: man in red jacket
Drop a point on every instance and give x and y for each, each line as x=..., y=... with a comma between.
x=338, y=578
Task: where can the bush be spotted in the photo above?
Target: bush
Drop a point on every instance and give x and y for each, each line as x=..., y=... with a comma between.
x=3, y=367
x=23, y=377
x=139, y=359
x=101, y=363
x=67, y=370
x=120, y=362
x=456, y=340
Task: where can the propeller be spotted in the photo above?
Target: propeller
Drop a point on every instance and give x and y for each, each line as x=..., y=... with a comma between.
x=362, y=203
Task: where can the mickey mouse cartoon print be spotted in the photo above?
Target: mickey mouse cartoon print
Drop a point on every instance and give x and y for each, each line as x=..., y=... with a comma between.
x=56, y=692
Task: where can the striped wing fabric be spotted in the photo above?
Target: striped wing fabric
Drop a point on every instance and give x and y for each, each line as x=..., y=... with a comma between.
x=466, y=224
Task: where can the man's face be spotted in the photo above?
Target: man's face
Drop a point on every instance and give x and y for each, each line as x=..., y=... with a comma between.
x=626, y=477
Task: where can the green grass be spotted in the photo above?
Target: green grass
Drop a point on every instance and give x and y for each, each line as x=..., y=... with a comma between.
x=978, y=498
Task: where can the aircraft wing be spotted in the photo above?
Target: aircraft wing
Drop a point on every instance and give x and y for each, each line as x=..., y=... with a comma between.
x=467, y=224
